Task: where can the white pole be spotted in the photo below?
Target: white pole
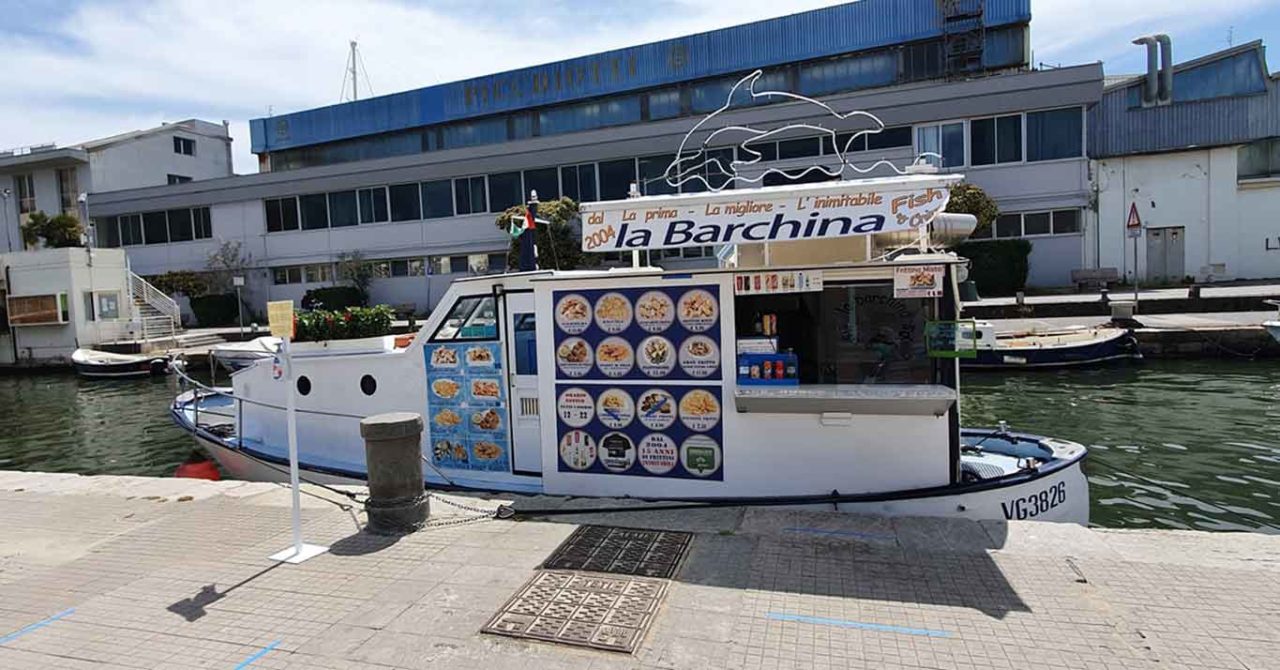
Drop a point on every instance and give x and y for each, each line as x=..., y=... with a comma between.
x=299, y=552
x=291, y=416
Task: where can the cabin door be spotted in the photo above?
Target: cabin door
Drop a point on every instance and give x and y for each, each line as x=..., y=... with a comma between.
x=522, y=382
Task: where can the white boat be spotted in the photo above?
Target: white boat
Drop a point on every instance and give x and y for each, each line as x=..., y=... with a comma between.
x=1273, y=327
x=1072, y=347
x=96, y=364
x=237, y=355
x=832, y=384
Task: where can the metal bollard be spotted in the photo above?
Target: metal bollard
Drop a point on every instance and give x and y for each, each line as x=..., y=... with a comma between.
x=392, y=447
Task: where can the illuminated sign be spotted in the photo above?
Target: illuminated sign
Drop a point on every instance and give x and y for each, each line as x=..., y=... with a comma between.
x=777, y=214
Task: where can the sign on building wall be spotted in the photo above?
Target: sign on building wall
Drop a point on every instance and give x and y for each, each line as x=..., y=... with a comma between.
x=778, y=214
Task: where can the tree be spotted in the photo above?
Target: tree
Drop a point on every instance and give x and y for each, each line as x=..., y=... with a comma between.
x=61, y=231
x=186, y=282
x=559, y=244
x=355, y=270
x=225, y=262
x=969, y=199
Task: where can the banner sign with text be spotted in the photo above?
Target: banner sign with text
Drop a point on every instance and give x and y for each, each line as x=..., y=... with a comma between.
x=778, y=214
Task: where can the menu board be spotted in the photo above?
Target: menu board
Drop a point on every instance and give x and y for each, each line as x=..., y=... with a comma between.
x=638, y=334
x=615, y=351
x=466, y=407
x=642, y=430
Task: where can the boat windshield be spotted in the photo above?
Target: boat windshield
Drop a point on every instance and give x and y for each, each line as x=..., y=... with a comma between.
x=471, y=318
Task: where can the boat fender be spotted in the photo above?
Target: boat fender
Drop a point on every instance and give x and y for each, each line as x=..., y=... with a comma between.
x=198, y=467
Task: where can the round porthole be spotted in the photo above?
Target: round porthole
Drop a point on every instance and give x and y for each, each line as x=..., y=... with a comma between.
x=368, y=384
x=304, y=386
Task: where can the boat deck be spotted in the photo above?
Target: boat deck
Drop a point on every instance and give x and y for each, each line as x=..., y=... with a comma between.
x=130, y=572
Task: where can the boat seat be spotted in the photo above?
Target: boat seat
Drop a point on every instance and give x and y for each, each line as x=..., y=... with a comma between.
x=981, y=471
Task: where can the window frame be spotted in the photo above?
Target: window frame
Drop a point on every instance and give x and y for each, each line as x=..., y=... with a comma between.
x=181, y=144
x=918, y=149
x=995, y=140
x=479, y=299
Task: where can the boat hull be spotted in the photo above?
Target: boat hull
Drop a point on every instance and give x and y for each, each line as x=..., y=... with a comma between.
x=1058, y=492
x=1121, y=346
x=1273, y=327
x=146, y=368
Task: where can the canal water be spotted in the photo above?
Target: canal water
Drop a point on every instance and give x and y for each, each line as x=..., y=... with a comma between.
x=1173, y=444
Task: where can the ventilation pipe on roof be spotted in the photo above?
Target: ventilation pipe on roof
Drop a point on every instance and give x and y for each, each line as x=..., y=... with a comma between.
x=1166, y=69
x=1151, y=90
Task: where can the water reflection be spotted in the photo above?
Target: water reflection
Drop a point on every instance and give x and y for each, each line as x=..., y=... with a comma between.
x=1173, y=444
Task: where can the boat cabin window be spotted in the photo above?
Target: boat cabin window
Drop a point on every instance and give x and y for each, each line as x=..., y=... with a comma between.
x=470, y=318
x=525, y=338
x=846, y=333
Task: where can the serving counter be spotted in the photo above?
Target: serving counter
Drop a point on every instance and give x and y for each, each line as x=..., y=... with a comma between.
x=885, y=399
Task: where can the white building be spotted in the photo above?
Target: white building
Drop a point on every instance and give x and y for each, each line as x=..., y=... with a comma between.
x=58, y=300
x=52, y=179
x=1197, y=156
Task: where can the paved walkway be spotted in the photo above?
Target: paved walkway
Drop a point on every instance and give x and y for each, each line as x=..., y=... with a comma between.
x=104, y=572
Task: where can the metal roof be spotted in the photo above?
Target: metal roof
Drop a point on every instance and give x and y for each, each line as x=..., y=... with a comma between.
x=1221, y=99
x=820, y=33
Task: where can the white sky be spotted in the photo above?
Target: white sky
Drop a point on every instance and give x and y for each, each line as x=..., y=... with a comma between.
x=82, y=69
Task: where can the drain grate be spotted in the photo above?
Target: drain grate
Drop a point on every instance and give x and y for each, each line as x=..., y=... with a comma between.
x=597, y=611
x=621, y=551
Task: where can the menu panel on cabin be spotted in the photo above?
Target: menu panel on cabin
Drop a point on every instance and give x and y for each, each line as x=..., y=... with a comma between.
x=616, y=352
x=467, y=421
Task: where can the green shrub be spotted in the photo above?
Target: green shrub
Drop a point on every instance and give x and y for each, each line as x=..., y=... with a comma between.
x=215, y=310
x=186, y=282
x=351, y=323
x=333, y=298
x=998, y=267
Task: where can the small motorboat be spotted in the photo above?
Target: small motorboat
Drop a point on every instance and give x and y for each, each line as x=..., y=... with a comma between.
x=95, y=364
x=1273, y=327
x=238, y=355
x=1064, y=348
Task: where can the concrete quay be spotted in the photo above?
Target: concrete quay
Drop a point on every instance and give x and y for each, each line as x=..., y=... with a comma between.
x=130, y=572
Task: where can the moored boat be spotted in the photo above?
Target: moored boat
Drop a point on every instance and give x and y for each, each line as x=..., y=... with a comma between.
x=1273, y=327
x=237, y=355
x=1072, y=347
x=96, y=364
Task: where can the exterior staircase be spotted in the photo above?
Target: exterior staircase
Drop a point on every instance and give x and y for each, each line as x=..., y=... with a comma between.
x=156, y=324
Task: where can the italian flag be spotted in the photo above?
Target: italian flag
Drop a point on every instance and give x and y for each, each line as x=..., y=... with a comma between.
x=519, y=224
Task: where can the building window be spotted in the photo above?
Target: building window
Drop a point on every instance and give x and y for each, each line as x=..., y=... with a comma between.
x=177, y=179
x=1259, y=160
x=653, y=170
x=469, y=195
x=315, y=211
x=180, y=229
x=407, y=267
x=716, y=167
x=317, y=273
x=437, y=199
x=803, y=147
x=616, y=178
x=945, y=139
x=545, y=181
x=25, y=186
x=184, y=146
x=995, y=140
x=767, y=151
x=373, y=205
x=130, y=230
x=663, y=104
x=849, y=73
x=109, y=232
x=343, y=210
x=498, y=262
x=68, y=192
x=889, y=138
x=458, y=264
x=504, y=191
x=1009, y=225
x=202, y=223
x=380, y=269
x=405, y=203
x=579, y=182
x=287, y=275
x=1036, y=224
x=1066, y=221
x=282, y=214
x=155, y=228
x=1057, y=133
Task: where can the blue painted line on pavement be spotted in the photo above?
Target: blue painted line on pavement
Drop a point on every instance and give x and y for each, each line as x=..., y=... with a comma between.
x=844, y=623
x=257, y=655
x=849, y=533
x=35, y=626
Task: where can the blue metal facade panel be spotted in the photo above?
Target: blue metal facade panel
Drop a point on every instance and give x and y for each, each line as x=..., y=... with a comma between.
x=1118, y=128
x=816, y=34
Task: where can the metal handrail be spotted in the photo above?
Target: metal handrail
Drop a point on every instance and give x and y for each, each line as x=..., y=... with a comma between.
x=154, y=297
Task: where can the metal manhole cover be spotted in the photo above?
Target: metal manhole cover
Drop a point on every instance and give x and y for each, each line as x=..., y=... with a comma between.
x=621, y=551
x=597, y=611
